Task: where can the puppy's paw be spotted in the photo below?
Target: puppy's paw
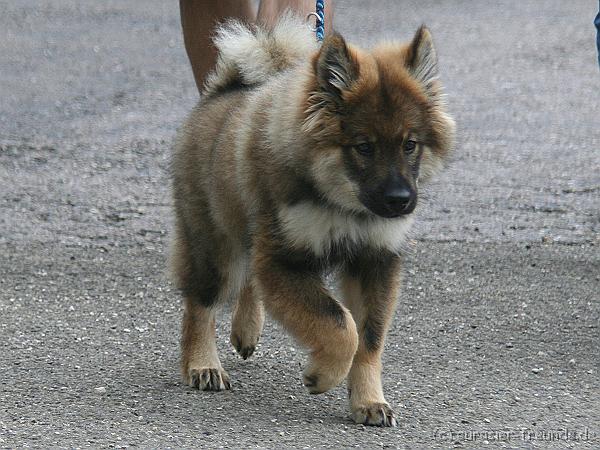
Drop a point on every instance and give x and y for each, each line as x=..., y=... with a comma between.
x=317, y=384
x=330, y=365
x=244, y=342
x=377, y=414
x=208, y=379
x=318, y=381
x=247, y=324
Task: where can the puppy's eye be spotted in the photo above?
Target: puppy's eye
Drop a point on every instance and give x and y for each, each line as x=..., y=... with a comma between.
x=364, y=148
x=409, y=146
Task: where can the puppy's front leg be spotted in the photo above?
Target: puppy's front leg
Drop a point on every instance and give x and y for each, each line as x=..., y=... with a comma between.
x=370, y=286
x=295, y=296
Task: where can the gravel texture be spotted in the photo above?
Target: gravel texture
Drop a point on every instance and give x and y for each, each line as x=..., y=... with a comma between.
x=496, y=339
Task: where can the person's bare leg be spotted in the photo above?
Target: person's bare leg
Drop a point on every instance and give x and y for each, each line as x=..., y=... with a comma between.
x=270, y=10
x=198, y=19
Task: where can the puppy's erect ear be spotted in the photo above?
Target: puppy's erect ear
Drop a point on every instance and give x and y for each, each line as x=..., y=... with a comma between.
x=335, y=67
x=422, y=59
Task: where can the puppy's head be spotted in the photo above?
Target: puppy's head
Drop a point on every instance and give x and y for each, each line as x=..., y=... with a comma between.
x=378, y=123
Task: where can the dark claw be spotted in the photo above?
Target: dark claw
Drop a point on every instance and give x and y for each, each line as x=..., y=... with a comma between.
x=247, y=352
x=213, y=383
x=209, y=379
x=377, y=415
x=310, y=380
x=227, y=384
x=195, y=379
x=205, y=379
x=236, y=343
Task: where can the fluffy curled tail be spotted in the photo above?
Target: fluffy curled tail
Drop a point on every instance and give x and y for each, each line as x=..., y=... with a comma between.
x=248, y=55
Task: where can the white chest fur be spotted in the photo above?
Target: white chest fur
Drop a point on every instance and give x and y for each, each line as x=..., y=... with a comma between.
x=307, y=225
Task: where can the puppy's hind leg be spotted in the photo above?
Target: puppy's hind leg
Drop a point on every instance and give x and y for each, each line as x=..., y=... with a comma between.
x=247, y=322
x=200, y=362
x=196, y=274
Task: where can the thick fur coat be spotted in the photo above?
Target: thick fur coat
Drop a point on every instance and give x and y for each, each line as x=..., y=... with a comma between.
x=299, y=160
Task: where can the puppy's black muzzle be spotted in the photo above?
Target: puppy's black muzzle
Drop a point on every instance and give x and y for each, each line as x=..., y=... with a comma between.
x=394, y=198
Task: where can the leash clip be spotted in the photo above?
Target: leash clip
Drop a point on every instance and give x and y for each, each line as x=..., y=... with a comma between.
x=317, y=20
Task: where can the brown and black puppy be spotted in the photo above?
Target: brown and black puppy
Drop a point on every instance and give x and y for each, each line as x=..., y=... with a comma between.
x=299, y=160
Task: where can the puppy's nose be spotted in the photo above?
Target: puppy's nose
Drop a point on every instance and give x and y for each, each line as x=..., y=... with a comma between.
x=397, y=197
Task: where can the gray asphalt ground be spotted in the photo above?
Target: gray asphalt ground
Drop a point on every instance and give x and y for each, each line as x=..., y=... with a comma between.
x=496, y=338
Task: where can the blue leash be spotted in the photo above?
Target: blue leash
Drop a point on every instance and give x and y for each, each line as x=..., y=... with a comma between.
x=320, y=28
x=319, y=15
